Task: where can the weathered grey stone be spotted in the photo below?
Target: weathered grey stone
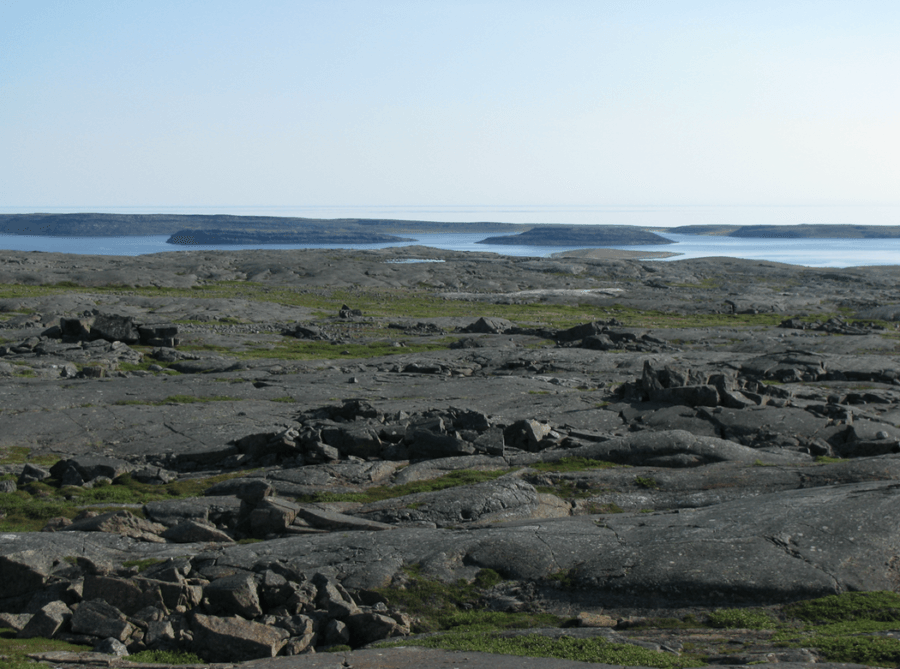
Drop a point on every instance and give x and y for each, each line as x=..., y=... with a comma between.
x=111, y=646
x=503, y=499
x=23, y=572
x=234, y=595
x=272, y=515
x=114, y=327
x=527, y=435
x=124, y=594
x=160, y=635
x=360, y=441
x=92, y=466
x=119, y=522
x=489, y=325
x=334, y=521
x=645, y=448
x=52, y=618
x=32, y=473
x=425, y=444
x=234, y=639
x=97, y=618
x=336, y=632
x=190, y=531
x=368, y=627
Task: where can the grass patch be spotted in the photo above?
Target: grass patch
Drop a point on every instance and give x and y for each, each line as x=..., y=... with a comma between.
x=574, y=464
x=879, y=606
x=378, y=493
x=413, y=303
x=28, y=509
x=296, y=349
x=565, y=490
x=141, y=565
x=646, y=482
x=165, y=657
x=14, y=651
x=180, y=399
x=741, y=619
x=565, y=648
x=435, y=605
x=841, y=627
x=20, y=454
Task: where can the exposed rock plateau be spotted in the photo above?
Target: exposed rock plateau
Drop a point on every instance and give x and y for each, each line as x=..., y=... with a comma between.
x=617, y=439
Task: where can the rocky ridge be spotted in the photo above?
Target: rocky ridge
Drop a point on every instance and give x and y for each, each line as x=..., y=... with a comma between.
x=605, y=468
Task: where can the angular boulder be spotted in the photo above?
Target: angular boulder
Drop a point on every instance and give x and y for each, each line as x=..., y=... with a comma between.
x=234, y=639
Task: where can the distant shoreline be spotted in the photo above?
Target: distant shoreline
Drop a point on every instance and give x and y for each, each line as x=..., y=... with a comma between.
x=280, y=229
x=614, y=254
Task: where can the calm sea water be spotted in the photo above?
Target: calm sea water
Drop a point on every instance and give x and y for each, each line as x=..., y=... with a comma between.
x=812, y=253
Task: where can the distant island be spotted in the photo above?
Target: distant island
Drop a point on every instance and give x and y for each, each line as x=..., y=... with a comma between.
x=580, y=235
x=224, y=229
x=803, y=231
x=306, y=236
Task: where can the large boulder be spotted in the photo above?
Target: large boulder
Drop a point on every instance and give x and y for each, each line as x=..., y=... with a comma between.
x=234, y=639
x=99, y=619
x=113, y=327
x=234, y=595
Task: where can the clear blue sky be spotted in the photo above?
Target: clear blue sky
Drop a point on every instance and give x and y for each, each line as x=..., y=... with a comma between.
x=449, y=102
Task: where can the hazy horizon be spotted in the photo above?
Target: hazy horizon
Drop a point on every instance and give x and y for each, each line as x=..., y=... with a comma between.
x=350, y=105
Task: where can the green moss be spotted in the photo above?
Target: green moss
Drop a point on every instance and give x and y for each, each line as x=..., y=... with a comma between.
x=879, y=606
x=741, y=619
x=19, y=454
x=827, y=460
x=564, y=578
x=435, y=605
x=378, y=493
x=646, y=482
x=877, y=651
x=14, y=651
x=574, y=464
x=565, y=490
x=338, y=648
x=141, y=565
x=29, y=510
x=611, y=507
x=286, y=399
x=567, y=648
x=179, y=399
x=165, y=657
x=414, y=303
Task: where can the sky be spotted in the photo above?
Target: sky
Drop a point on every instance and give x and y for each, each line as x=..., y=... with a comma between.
x=338, y=103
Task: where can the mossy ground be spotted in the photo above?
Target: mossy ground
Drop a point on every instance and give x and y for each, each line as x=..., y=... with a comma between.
x=844, y=628
x=165, y=657
x=438, y=606
x=379, y=493
x=418, y=303
x=29, y=508
x=13, y=651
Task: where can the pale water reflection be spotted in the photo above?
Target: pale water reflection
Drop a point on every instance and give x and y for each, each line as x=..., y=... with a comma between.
x=809, y=252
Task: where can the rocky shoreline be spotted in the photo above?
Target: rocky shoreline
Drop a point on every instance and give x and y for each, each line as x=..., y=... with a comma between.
x=253, y=454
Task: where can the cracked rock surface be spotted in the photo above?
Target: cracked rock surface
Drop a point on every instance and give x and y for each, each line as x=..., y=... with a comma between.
x=738, y=446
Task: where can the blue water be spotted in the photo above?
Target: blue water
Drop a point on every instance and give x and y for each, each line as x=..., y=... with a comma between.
x=812, y=253
x=809, y=252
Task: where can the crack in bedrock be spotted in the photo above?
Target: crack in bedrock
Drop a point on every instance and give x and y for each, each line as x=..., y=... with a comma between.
x=549, y=547
x=785, y=544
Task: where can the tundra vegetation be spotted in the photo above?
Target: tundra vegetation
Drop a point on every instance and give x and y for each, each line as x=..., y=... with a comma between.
x=239, y=455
